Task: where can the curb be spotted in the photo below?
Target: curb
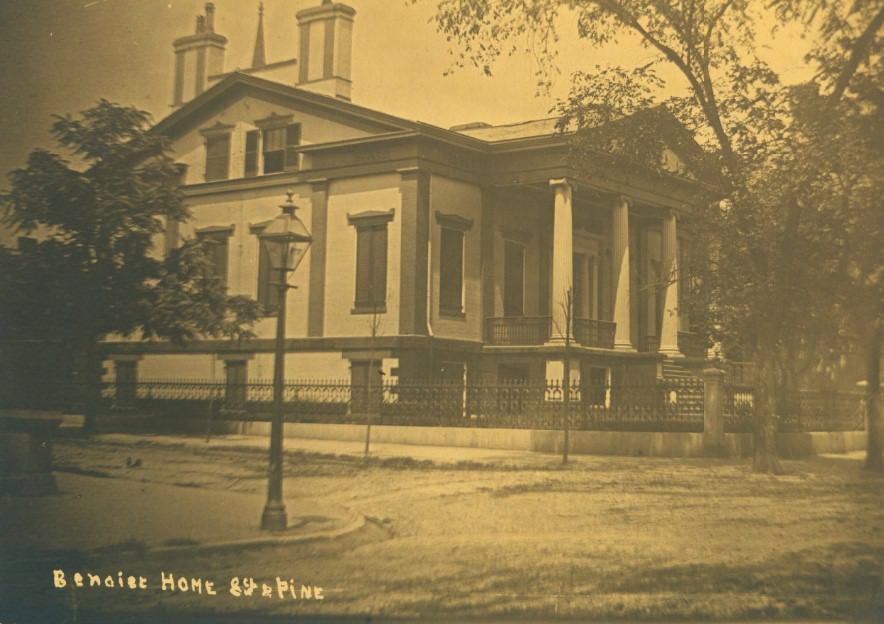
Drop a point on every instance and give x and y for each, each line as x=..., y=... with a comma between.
x=354, y=523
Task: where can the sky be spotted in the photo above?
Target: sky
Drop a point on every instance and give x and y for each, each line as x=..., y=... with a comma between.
x=61, y=56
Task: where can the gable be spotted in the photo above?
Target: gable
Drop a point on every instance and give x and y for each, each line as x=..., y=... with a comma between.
x=236, y=106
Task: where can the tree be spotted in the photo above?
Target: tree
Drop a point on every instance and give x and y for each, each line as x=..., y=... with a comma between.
x=737, y=108
x=94, y=272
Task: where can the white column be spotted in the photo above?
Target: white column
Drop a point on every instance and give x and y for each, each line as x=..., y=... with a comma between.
x=620, y=266
x=562, y=266
x=669, y=331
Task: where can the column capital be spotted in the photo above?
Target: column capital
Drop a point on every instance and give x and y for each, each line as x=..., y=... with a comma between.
x=561, y=182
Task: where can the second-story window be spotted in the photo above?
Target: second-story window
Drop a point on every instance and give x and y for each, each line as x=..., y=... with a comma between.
x=451, y=261
x=371, y=260
x=279, y=148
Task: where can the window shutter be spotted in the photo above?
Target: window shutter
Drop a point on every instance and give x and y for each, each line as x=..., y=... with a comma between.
x=252, y=153
x=451, y=270
x=379, y=265
x=363, y=267
x=217, y=157
x=292, y=140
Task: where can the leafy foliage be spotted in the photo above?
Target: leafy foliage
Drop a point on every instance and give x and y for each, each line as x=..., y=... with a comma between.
x=797, y=227
x=94, y=271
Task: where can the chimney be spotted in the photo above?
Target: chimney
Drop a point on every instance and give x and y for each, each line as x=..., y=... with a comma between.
x=198, y=57
x=210, y=16
x=326, y=34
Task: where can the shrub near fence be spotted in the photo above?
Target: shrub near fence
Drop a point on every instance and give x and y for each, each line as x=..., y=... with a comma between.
x=665, y=406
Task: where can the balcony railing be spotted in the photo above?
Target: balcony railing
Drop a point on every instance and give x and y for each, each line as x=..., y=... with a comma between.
x=518, y=330
x=594, y=333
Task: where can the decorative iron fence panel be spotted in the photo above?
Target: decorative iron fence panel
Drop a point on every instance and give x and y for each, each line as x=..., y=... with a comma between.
x=813, y=411
x=670, y=406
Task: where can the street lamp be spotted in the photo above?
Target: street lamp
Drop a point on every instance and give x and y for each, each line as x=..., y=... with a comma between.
x=286, y=240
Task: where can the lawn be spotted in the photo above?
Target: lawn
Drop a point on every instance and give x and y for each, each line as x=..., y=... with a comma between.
x=604, y=538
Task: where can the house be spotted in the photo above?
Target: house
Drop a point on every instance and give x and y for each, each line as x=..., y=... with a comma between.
x=461, y=244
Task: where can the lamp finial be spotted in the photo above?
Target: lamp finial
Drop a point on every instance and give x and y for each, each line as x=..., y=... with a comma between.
x=289, y=206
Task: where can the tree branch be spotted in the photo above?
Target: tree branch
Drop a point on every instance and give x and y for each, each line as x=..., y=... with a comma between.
x=859, y=49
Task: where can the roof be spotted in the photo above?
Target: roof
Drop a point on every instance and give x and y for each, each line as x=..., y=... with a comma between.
x=519, y=130
x=538, y=133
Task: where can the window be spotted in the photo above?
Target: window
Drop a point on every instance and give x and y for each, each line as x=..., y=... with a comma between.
x=268, y=292
x=217, y=156
x=514, y=279
x=371, y=260
x=451, y=261
x=215, y=243
x=252, y=153
x=451, y=271
x=279, y=148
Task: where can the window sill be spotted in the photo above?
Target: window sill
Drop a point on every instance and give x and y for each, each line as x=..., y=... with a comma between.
x=364, y=309
x=453, y=314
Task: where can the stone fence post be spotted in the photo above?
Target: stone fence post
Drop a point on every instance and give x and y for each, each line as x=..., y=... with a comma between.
x=713, y=412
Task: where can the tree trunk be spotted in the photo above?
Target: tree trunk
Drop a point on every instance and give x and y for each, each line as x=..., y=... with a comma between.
x=764, y=457
x=91, y=390
x=874, y=459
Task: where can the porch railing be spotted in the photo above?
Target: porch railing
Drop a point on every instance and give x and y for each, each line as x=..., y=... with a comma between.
x=594, y=333
x=518, y=330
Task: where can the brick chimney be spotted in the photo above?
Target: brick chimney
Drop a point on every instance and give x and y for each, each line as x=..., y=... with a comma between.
x=197, y=57
x=326, y=34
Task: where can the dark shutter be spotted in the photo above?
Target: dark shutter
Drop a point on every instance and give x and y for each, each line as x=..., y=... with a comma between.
x=379, y=265
x=363, y=267
x=217, y=157
x=371, y=266
x=292, y=140
x=451, y=270
x=252, y=153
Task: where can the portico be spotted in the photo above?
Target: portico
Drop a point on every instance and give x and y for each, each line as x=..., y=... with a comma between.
x=587, y=260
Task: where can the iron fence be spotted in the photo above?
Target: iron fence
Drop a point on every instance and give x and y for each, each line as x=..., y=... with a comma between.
x=665, y=406
x=811, y=411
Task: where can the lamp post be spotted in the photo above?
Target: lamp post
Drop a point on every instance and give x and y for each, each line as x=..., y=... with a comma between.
x=286, y=240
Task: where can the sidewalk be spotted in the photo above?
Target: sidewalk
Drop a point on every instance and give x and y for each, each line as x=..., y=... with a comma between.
x=92, y=514
x=443, y=455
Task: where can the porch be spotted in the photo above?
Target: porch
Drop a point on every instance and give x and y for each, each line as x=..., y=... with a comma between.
x=610, y=263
